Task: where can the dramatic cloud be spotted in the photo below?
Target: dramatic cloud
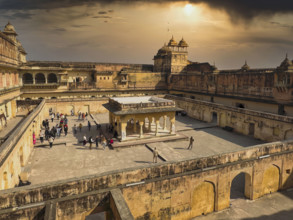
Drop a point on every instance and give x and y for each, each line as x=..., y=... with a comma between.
x=237, y=9
x=21, y=15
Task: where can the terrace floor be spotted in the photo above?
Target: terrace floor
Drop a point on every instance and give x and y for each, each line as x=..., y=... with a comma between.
x=69, y=158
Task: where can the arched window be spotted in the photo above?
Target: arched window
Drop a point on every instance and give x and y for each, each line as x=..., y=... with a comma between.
x=52, y=78
x=40, y=78
x=27, y=78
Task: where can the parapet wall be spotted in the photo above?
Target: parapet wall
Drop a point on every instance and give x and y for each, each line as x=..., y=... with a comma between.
x=264, y=126
x=120, y=178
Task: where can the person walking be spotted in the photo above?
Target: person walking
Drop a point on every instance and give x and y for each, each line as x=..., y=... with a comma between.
x=34, y=138
x=97, y=141
x=41, y=136
x=89, y=125
x=65, y=130
x=155, y=155
x=191, y=140
x=91, y=141
x=84, y=140
x=52, y=117
x=58, y=131
x=80, y=127
x=51, y=140
x=58, y=116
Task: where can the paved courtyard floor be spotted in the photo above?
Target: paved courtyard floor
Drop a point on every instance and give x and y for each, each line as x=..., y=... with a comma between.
x=69, y=158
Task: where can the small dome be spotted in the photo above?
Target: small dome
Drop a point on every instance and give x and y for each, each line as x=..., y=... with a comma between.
x=182, y=43
x=9, y=29
x=286, y=62
x=245, y=66
x=164, y=49
x=172, y=42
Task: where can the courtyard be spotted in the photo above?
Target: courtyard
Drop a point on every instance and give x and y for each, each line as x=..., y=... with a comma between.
x=68, y=158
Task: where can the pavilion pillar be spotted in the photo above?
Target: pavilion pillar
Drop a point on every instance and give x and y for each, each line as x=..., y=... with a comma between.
x=134, y=127
x=157, y=127
x=172, y=125
x=34, y=79
x=150, y=124
x=165, y=123
x=123, y=130
x=141, y=129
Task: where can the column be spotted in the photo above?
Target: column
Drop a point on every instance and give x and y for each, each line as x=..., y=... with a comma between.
x=34, y=79
x=134, y=126
x=150, y=123
x=141, y=129
x=123, y=130
x=165, y=123
x=157, y=126
x=46, y=78
x=172, y=125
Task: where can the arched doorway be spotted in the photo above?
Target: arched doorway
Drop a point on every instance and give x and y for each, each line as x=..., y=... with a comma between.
x=203, y=199
x=52, y=78
x=27, y=78
x=40, y=78
x=240, y=186
x=288, y=135
x=5, y=180
x=21, y=161
x=271, y=179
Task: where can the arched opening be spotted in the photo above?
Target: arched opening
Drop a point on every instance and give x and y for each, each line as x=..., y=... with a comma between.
x=53, y=98
x=271, y=180
x=11, y=169
x=52, y=78
x=5, y=179
x=240, y=105
x=21, y=160
x=240, y=186
x=288, y=135
x=28, y=99
x=27, y=78
x=214, y=117
x=40, y=78
x=41, y=98
x=203, y=199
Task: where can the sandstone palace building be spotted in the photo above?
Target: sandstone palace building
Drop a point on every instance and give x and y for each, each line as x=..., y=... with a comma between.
x=253, y=102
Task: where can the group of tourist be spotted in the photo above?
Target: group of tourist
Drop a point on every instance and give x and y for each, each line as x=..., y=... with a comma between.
x=55, y=131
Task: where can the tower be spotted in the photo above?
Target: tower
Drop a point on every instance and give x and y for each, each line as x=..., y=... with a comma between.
x=171, y=58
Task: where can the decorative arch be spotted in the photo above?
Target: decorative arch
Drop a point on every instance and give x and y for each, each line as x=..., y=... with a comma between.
x=5, y=180
x=271, y=179
x=241, y=186
x=203, y=199
x=21, y=160
x=40, y=78
x=52, y=78
x=288, y=135
x=27, y=78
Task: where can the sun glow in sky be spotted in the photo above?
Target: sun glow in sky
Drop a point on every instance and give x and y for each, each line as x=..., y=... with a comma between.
x=127, y=32
x=188, y=9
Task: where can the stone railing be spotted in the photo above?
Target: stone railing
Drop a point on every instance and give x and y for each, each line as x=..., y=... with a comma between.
x=271, y=116
x=17, y=134
x=143, y=174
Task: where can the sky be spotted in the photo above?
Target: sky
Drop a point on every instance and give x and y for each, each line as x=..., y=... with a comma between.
x=224, y=33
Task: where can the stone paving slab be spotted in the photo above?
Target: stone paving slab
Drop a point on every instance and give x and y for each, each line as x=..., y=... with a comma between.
x=165, y=151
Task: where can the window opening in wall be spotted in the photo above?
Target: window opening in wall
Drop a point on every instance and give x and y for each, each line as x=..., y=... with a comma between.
x=240, y=105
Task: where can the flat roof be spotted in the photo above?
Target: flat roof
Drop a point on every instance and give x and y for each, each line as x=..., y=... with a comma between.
x=139, y=99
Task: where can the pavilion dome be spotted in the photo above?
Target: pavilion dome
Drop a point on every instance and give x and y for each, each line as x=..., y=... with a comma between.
x=9, y=29
x=163, y=50
x=182, y=43
x=286, y=62
x=245, y=66
x=172, y=42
